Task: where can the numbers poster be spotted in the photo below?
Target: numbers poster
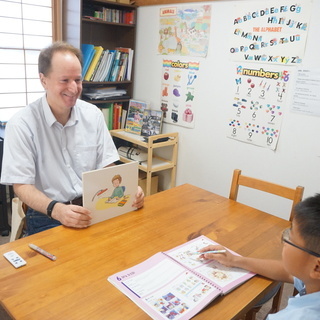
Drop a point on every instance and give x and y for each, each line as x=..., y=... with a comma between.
x=258, y=104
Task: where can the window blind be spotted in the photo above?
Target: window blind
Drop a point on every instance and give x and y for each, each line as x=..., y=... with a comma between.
x=25, y=28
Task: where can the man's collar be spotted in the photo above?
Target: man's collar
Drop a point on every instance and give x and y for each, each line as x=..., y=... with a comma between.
x=51, y=119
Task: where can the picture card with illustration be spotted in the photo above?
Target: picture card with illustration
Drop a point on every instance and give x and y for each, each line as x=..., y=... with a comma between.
x=110, y=191
x=135, y=115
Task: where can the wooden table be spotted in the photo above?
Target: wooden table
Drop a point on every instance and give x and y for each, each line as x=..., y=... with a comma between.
x=75, y=286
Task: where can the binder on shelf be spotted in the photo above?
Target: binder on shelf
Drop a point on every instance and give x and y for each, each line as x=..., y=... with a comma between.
x=87, y=53
x=94, y=62
x=96, y=68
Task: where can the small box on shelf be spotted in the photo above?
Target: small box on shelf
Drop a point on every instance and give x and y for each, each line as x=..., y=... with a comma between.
x=142, y=182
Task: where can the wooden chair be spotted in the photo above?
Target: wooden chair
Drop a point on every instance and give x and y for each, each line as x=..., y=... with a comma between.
x=289, y=193
x=17, y=219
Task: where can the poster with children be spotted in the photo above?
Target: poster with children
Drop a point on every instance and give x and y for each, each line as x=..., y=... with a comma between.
x=178, y=91
x=110, y=191
x=184, y=31
x=258, y=104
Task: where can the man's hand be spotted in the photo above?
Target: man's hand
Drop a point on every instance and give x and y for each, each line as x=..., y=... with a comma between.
x=71, y=215
x=139, y=199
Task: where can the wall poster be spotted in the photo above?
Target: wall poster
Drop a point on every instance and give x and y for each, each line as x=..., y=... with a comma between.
x=272, y=32
x=185, y=31
x=258, y=104
x=178, y=94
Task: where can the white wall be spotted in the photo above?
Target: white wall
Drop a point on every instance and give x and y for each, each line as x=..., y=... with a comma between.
x=206, y=156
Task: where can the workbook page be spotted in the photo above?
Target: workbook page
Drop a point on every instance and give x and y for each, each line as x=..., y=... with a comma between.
x=164, y=289
x=223, y=277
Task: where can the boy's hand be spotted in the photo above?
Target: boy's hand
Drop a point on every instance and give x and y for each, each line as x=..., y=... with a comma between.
x=225, y=258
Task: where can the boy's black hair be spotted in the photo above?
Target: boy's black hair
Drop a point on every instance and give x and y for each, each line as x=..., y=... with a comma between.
x=307, y=216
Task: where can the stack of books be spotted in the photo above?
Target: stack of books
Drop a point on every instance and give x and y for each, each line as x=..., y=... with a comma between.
x=113, y=15
x=105, y=65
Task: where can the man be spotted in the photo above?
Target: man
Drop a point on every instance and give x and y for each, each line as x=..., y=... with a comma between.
x=52, y=141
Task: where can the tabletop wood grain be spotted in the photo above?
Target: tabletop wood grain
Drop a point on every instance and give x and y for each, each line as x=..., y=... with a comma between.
x=75, y=286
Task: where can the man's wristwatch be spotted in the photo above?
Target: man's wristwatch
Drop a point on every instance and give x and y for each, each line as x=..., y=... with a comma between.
x=50, y=208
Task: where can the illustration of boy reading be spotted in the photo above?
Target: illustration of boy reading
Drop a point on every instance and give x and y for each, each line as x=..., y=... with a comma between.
x=118, y=191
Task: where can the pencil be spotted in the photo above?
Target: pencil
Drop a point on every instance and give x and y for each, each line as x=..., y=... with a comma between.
x=212, y=251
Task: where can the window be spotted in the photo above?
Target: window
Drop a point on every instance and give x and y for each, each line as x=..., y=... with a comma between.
x=25, y=28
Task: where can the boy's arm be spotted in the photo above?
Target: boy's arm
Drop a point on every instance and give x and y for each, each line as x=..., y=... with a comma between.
x=272, y=269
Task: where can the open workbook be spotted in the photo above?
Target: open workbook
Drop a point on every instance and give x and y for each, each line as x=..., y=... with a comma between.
x=177, y=284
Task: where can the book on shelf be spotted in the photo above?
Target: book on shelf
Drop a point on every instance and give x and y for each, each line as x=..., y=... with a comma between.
x=135, y=115
x=151, y=122
x=101, y=66
x=177, y=284
x=123, y=66
x=110, y=191
x=107, y=71
x=97, y=67
x=87, y=53
x=107, y=111
x=114, y=115
x=117, y=113
x=94, y=62
x=115, y=66
x=128, y=70
x=123, y=118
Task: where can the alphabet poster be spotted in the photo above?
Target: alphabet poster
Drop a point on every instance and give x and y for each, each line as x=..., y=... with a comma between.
x=258, y=104
x=273, y=32
x=185, y=31
x=178, y=92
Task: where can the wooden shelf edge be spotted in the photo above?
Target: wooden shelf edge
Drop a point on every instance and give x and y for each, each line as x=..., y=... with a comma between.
x=165, y=166
x=122, y=134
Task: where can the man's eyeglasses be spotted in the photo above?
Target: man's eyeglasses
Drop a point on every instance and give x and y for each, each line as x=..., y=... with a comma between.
x=285, y=238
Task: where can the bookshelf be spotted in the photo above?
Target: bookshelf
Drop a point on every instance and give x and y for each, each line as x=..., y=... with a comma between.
x=80, y=26
x=154, y=163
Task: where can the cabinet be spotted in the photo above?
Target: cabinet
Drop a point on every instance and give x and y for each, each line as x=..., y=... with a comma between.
x=154, y=163
x=78, y=28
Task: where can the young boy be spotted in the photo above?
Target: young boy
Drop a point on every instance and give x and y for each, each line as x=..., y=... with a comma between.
x=300, y=262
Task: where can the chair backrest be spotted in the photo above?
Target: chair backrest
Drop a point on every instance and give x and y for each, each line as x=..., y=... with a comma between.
x=17, y=219
x=240, y=180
